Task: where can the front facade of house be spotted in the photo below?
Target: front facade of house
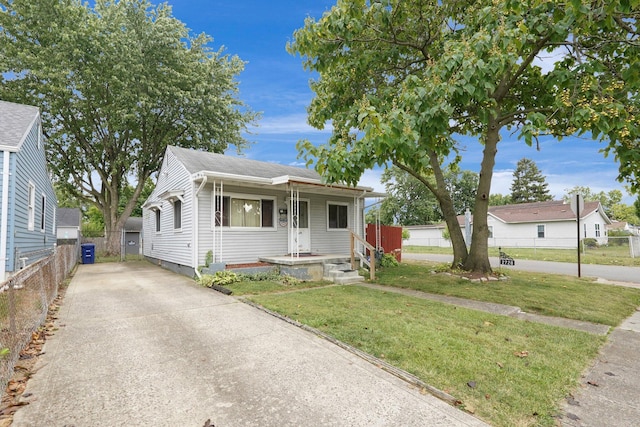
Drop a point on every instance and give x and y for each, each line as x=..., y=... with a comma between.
x=224, y=209
x=27, y=199
x=527, y=225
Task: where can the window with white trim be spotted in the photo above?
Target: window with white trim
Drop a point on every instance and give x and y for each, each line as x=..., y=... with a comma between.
x=177, y=214
x=244, y=211
x=490, y=231
x=31, y=206
x=43, y=216
x=157, y=211
x=597, y=230
x=337, y=216
x=541, y=231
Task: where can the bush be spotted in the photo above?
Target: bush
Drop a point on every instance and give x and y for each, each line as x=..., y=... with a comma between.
x=388, y=260
x=220, y=278
x=590, y=242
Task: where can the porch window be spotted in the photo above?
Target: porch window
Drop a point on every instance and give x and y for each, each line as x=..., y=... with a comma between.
x=177, y=215
x=597, y=230
x=337, y=216
x=541, y=231
x=231, y=211
x=31, y=206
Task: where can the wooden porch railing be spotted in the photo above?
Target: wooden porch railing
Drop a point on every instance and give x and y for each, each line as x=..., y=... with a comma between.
x=371, y=262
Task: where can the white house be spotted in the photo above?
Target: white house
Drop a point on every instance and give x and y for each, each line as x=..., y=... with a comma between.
x=233, y=210
x=542, y=224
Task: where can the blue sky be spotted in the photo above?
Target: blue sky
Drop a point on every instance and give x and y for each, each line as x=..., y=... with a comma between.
x=275, y=84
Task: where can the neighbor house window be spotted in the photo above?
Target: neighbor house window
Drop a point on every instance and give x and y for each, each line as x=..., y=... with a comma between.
x=43, y=217
x=337, y=216
x=243, y=211
x=31, y=206
x=585, y=230
x=177, y=215
x=541, y=231
x=597, y=230
x=491, y=231
x=157, y=211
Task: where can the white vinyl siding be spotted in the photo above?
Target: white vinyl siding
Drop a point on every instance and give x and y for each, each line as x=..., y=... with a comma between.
x=162, y=242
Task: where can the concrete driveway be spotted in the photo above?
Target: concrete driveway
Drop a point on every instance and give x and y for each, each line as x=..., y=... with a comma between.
x=140, y=346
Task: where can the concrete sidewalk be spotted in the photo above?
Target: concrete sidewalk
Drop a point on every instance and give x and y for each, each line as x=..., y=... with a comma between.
x=140, y=346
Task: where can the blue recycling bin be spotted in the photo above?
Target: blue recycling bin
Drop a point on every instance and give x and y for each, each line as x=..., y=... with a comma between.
x=88, y=253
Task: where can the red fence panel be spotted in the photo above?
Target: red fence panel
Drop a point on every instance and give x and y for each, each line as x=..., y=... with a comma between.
x=390, y=239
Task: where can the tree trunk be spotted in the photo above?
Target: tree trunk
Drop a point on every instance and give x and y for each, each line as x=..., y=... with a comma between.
x=478, y=258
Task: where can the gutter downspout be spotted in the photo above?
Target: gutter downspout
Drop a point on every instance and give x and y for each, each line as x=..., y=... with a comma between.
x=4, y=211
x=196, y=241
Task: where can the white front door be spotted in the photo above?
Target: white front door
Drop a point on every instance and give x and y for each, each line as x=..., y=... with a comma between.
x=300, y=225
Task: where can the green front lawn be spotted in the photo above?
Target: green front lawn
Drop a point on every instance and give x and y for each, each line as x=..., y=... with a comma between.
x=547, y=294
x=508, y=372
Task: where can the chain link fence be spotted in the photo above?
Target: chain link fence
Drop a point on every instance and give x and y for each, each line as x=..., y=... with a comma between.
x=24, y=301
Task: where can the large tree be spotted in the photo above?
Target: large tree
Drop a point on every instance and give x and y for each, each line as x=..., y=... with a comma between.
x=529, y=185
x=401, y=79
x=116, y=83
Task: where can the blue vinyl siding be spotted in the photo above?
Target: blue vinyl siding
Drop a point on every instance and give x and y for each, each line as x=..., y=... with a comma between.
x=30, y=166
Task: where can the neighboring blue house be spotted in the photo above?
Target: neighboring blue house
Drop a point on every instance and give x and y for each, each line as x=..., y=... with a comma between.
x=27, y=199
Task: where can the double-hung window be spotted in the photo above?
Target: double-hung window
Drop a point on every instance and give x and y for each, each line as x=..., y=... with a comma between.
x=31, y=206
x=337, y=216
x=177, y=214
x=541, y=231
x=597, y=230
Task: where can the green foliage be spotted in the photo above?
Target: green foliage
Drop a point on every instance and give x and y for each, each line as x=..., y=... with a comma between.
x=499, y=200
x=610, y=201
x=117, y=81
x=636, y=205
x=388, y=260
x=406, y=235
x=220, y=278
x=400, y=80
x=208, y=258
x=590, y=242
x=529, y=185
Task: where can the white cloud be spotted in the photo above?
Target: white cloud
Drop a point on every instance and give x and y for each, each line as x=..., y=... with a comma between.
x=290, y=124
x=371, y=178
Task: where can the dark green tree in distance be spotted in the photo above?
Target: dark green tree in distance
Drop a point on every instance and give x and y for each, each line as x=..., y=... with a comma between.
x=499, y=199
x=529, y=185
x=462, y=186
x=117, y=81
x=636, y=205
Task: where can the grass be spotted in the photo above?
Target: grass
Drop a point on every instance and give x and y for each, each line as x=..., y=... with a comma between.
x=451, y=347
x=269, y=286
x=547, y=294
x=603, y=255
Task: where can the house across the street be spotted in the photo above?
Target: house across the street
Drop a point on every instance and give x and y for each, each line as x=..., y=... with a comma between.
x=27, y=199
x=530, y=225
x=213, y=208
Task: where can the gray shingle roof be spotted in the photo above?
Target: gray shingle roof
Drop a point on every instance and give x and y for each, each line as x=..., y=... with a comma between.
x=15, y=122
x=199, y=161
x=555, y=210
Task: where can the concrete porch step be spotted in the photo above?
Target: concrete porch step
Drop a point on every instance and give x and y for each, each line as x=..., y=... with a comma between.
x=342, y=274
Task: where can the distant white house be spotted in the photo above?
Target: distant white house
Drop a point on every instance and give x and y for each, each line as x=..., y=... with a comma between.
x=236, y=211
x=531, y=225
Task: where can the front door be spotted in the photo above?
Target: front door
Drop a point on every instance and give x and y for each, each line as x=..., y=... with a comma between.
x=300, y=226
